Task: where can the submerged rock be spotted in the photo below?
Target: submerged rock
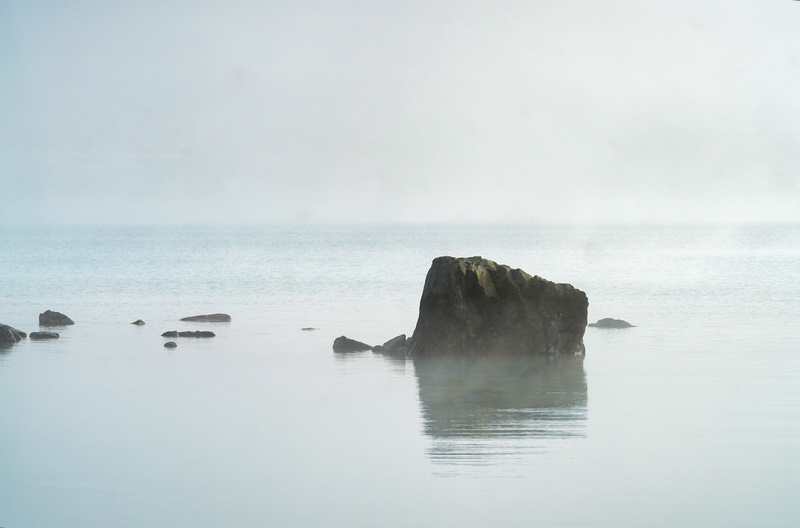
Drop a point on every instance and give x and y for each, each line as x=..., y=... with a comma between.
x=138, y=322
x=209, y=318
x=196, y=333
x=50, y=318
x=611, y=323
x=9, y=334
x=44, y=335
x=170, y=344
x=474, y=306
x=345, y=344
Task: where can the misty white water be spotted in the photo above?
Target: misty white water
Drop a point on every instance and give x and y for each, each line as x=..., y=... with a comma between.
x=690, y=419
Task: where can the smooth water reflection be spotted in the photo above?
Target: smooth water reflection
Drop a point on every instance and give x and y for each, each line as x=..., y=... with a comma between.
x=490, y=411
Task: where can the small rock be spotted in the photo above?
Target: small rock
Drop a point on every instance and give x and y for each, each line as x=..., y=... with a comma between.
x=197, y=333
x=170, y=344
x=138, y=322
x=345, y=344
x=395, y=342
x=611, y=323
x=9, y=334
x=397, y=346
x=309, y=329
x=50, y=318
x=209, y=318
x=44, y=335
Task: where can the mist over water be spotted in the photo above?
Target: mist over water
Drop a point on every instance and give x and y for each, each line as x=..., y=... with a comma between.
x=647, y=153
x=687, y=419
x=399, y=112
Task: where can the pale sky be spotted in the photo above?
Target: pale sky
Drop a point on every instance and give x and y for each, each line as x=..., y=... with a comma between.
x=399, y=111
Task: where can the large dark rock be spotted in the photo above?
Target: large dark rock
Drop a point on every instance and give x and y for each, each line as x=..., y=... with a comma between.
x=611, y=323
x=9, y=334
x=50, y=318
x=345, y=344
x=209, y=318
x=473, y=306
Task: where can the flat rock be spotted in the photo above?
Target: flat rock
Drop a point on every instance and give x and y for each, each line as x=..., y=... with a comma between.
x=9, y=334
x=611, y=323
x=474, y=306
x=209, y=318
x=345, y=344
x=50, y=318
x=196, y=333
x=44, y=335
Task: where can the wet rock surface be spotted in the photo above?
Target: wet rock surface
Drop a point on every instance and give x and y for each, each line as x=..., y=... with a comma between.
x=209, y=318
x=474, y=306
x=397, y=346
x=345, y=344
x=195, y=333
x=9, y=334
x=51, y=318
x=44, y=335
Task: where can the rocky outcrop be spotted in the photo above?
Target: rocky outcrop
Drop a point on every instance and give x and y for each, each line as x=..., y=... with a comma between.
x=196, y=333
x=611, y=323
x=209, y=318
x=9, y=334
x=397, y=346
x=138, y=322
x=345, y=344
x=44, y=335
x=50, y=318
x=473, y=307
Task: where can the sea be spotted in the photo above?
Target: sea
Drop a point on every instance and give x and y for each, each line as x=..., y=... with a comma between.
x=689, y=419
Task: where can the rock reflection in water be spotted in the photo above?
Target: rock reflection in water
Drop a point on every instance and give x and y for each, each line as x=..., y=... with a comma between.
x=490, y=410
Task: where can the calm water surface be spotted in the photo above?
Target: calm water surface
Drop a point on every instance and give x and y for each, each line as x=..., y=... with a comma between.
x=690, y=419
